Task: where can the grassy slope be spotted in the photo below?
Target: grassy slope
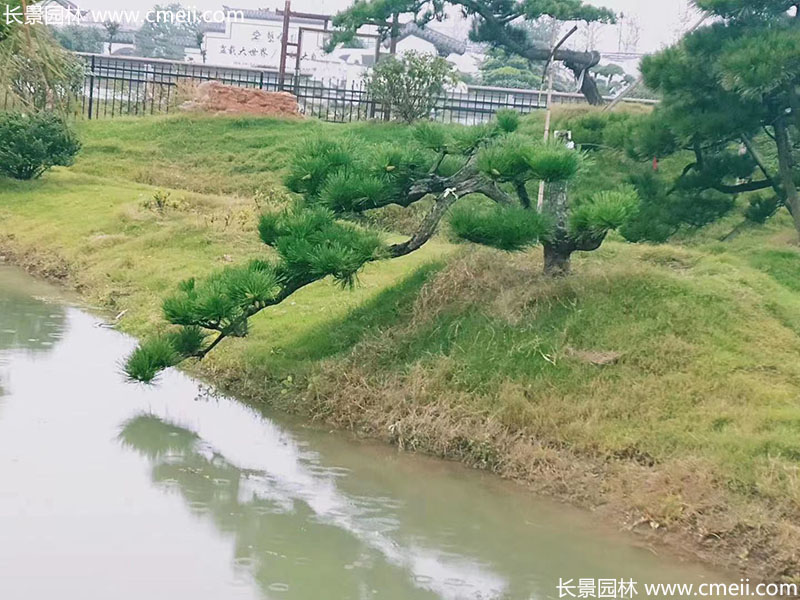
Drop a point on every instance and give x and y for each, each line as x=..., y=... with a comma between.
x=125, y=256
x=702, y=401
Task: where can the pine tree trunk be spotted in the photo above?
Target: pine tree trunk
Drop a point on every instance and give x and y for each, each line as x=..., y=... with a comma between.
x=559, y=248
x=556, y=260
x=588, y=84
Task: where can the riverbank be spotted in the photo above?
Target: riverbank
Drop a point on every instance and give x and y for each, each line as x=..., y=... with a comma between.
x=658, y=386
x=177, y=493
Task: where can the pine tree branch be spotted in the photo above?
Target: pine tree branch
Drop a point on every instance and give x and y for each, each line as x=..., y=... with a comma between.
x=750, y=186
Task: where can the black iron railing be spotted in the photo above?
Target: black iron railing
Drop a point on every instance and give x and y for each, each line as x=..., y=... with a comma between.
x=126, y=86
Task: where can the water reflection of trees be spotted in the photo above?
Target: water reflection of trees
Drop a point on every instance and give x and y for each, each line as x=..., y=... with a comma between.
x=28, y=323
x=280, y=538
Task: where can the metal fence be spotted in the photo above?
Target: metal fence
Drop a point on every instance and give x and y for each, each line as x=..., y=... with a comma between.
x=126, y=86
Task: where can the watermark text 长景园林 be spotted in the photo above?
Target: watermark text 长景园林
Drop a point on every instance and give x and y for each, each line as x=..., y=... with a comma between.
x=627, y=588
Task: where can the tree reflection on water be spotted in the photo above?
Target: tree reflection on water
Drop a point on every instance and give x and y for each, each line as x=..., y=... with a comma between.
x=301, y=535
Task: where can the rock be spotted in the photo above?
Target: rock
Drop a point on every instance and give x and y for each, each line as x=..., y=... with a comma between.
x=594, y=357
x=217, y=98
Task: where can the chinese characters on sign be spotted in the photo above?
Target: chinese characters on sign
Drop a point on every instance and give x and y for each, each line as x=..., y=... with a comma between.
x=263, y=44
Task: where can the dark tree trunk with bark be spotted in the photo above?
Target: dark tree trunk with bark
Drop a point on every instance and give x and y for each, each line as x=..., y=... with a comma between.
x=785, y=164
x=580, y=63
x=588, y=82
x=559, y=248
x=557, y=260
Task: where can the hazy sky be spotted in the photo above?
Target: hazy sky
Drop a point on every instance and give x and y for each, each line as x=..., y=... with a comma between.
x=660, y=20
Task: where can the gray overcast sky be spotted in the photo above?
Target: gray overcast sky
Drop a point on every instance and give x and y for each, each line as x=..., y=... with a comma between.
x=660, y=20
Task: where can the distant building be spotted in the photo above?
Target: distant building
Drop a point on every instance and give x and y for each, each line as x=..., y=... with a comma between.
x=253, y=40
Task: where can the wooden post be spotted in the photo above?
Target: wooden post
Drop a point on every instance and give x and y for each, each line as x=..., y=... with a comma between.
x=287, y=13
x=547, y=118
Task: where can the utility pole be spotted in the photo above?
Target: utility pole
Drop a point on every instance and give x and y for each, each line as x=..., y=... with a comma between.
x=287, y=15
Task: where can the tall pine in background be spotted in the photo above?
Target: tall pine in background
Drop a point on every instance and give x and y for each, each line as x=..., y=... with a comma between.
x=731, y=94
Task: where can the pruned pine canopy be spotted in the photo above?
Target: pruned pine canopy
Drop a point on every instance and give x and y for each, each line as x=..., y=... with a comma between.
x=487, y=166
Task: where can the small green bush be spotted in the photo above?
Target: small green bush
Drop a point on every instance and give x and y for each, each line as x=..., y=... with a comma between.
x=408, y=86
x=31, y=144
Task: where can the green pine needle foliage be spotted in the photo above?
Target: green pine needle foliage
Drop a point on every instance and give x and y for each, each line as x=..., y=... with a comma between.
x=761, y=208
x=349, y=191
x=223, y=300
x=606, y=211
x=554, y=162
x=150, y=358
x=502, y=227
x=316, y=160
x=431, y=135
x=507, y=120
x=312, y=244
x=508, y=158
x=468, y=139
x=187, y=341
x=398, y=166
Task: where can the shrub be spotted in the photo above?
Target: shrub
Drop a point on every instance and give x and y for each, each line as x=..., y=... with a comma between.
x=31, y=144
x=761, y=208
x=408, y=86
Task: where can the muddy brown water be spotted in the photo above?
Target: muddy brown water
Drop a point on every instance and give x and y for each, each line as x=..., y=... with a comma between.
x=110, y=490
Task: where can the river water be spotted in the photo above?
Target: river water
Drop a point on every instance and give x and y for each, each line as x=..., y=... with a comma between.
x=116, y=491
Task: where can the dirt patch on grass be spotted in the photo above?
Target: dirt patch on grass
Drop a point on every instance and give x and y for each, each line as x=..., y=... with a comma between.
x=40, y=263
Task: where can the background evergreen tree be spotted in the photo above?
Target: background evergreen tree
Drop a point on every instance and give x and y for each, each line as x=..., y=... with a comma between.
x=165, y=39
x=112, y=29
x=731, y=95
x=79, y=38
x=482, y=170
